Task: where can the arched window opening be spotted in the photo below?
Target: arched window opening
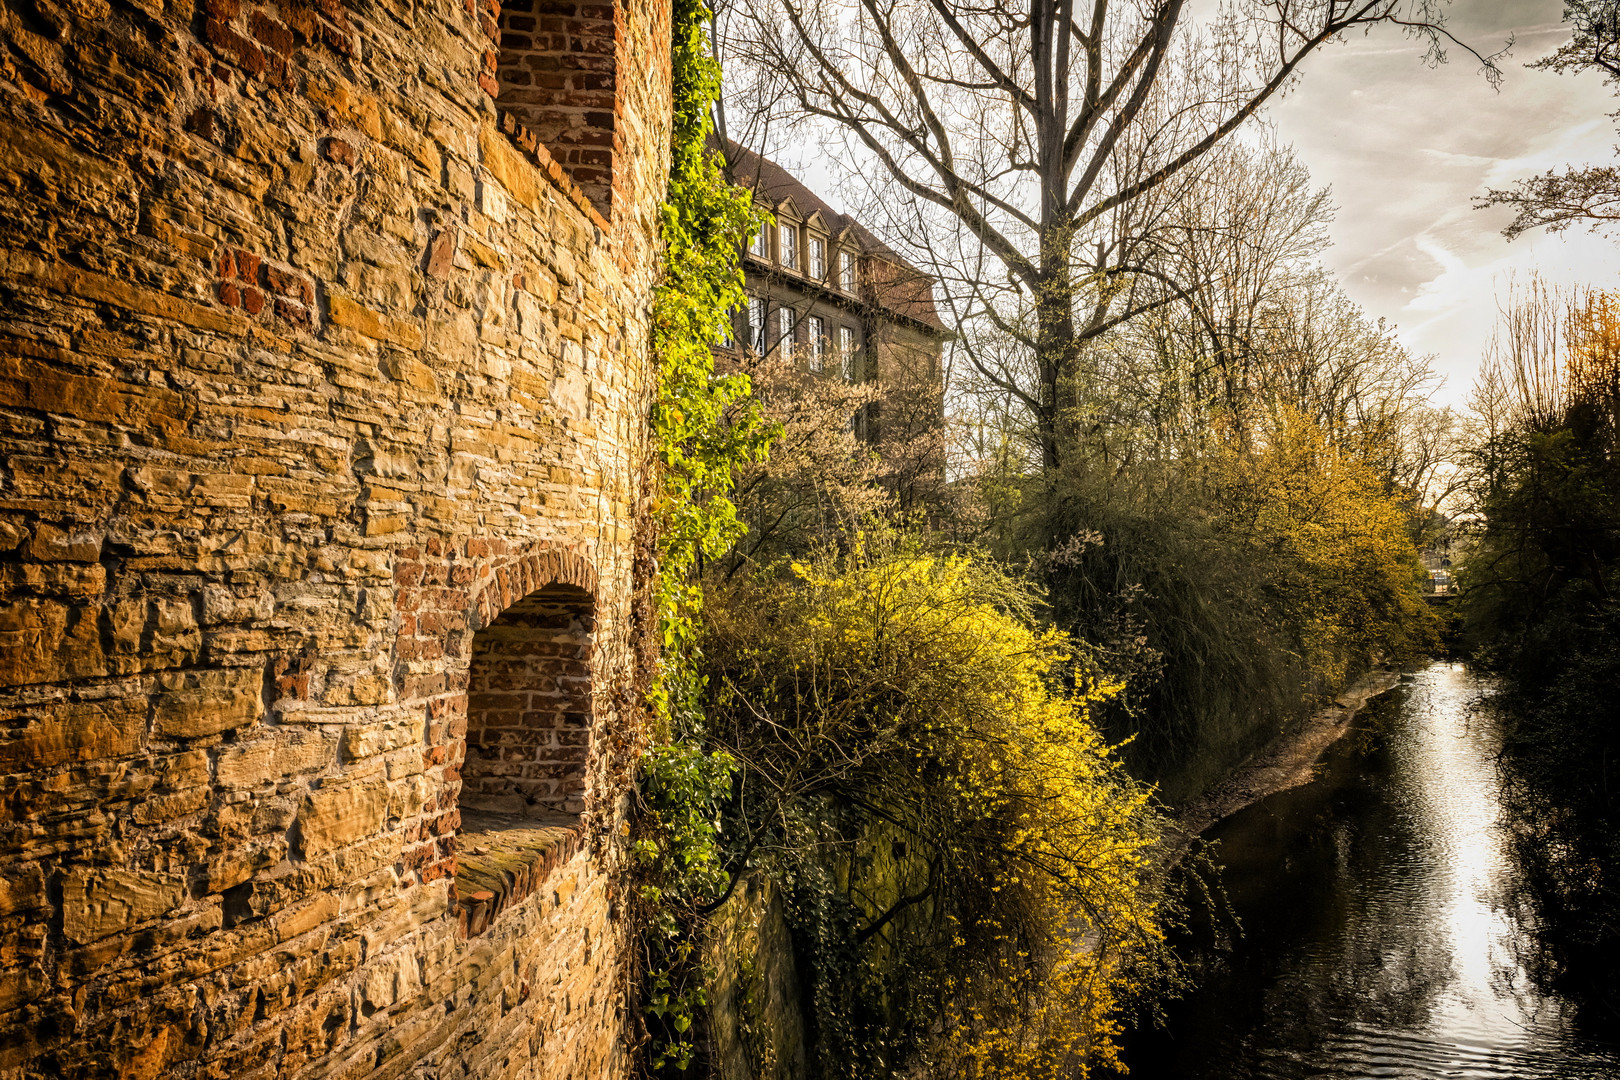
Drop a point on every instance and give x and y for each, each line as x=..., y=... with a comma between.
x=529, y=707
x=529, y=716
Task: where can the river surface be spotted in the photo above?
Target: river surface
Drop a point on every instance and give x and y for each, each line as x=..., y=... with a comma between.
x=1379, y=936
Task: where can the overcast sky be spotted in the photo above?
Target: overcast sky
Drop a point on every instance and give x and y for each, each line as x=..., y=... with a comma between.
x=1406, y=148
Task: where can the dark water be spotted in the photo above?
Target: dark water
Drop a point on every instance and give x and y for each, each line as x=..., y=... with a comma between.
x=1379, y=934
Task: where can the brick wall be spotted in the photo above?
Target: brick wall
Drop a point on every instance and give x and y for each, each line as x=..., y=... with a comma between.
x=308, y=373
x=556, y=77
x=529, y=707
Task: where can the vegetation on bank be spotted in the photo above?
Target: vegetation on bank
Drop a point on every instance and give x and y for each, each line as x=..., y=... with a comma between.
x=1540, y=583
x=706, y=428
x=1232, y=591
x=1542, y=558
x=911, y=700
x=969, y=872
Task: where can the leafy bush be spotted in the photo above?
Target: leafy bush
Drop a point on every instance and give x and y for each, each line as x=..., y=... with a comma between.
x=969, y=867
x=1237, y=591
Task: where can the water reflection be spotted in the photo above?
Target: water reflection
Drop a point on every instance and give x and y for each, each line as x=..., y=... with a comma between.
x=1378, y=934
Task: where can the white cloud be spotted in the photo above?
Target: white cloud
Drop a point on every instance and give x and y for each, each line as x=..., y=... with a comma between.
x=1407, y=149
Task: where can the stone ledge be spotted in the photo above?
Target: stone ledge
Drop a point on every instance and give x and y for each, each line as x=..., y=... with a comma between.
x=501, y=859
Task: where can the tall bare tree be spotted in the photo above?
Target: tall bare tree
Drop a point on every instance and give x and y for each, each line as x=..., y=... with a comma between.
x=1032, y=151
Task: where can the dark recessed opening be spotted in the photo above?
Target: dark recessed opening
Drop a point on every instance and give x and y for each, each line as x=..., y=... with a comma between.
x=529, y=717
x=557, y=78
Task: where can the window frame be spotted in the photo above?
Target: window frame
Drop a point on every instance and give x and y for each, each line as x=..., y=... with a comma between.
x=786, y=327
x=788, y=241
x=816, y=335
x=758, y=323
x=847, y=271
x=818, y=258
x=849, y=344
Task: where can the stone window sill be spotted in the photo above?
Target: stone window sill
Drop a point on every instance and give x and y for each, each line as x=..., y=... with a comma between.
x=501, y=859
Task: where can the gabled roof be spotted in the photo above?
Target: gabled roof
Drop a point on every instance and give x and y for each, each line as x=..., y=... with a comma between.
x=898, y=286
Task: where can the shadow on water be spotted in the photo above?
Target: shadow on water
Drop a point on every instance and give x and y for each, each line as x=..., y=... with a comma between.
x=1379, y=937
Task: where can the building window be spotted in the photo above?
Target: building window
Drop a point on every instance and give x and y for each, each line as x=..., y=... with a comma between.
x=846, y=278
x=848, y=342
x=756, y=324
x=785, y=340
x=818, y=258
x=529, y=716
x=816, y=331
x=762, y=243
x=790, y=246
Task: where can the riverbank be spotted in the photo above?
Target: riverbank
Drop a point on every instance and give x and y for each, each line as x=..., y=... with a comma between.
x=1287, y=763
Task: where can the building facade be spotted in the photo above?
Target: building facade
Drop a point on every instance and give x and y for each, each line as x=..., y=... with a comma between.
x=326, y=369
x=827, y=295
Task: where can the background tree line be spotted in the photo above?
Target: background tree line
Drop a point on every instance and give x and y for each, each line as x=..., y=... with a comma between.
x=1542, y=563
x=1539, y=522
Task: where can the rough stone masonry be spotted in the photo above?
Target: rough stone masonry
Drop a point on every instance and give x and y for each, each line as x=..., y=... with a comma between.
x=323, y=385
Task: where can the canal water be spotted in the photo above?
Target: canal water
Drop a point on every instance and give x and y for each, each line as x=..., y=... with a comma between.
x=1379, y=934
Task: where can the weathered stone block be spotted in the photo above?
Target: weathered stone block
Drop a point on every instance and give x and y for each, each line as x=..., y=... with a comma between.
x=99, y=903
x=368, y=740
x=193, y=704
x=20, y=986
x=239, y=862
x=52, y=543
x=283, y=753
x=44, y=641
x=22, y=888
x=389, y=979
x=334, y=817
x=161, y=808
x=59, y=733
x=373, y=324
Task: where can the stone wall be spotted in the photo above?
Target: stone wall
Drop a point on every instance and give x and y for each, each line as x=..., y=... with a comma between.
x=308, y=373
x=756, y=1023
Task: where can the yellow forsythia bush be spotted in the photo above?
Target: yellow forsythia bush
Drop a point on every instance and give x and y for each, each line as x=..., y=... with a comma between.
x=917, y=754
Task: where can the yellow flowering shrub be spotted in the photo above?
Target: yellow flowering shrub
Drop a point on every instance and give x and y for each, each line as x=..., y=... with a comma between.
x=971, y=869
x=1342, y=562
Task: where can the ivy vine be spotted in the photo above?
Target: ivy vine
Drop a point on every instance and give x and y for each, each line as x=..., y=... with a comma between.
x=705, y=426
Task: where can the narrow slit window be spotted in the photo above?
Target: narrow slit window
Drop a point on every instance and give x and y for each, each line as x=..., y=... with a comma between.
x=848, y=343
x=756, y=324
x=816, y=330
x=785, y=332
